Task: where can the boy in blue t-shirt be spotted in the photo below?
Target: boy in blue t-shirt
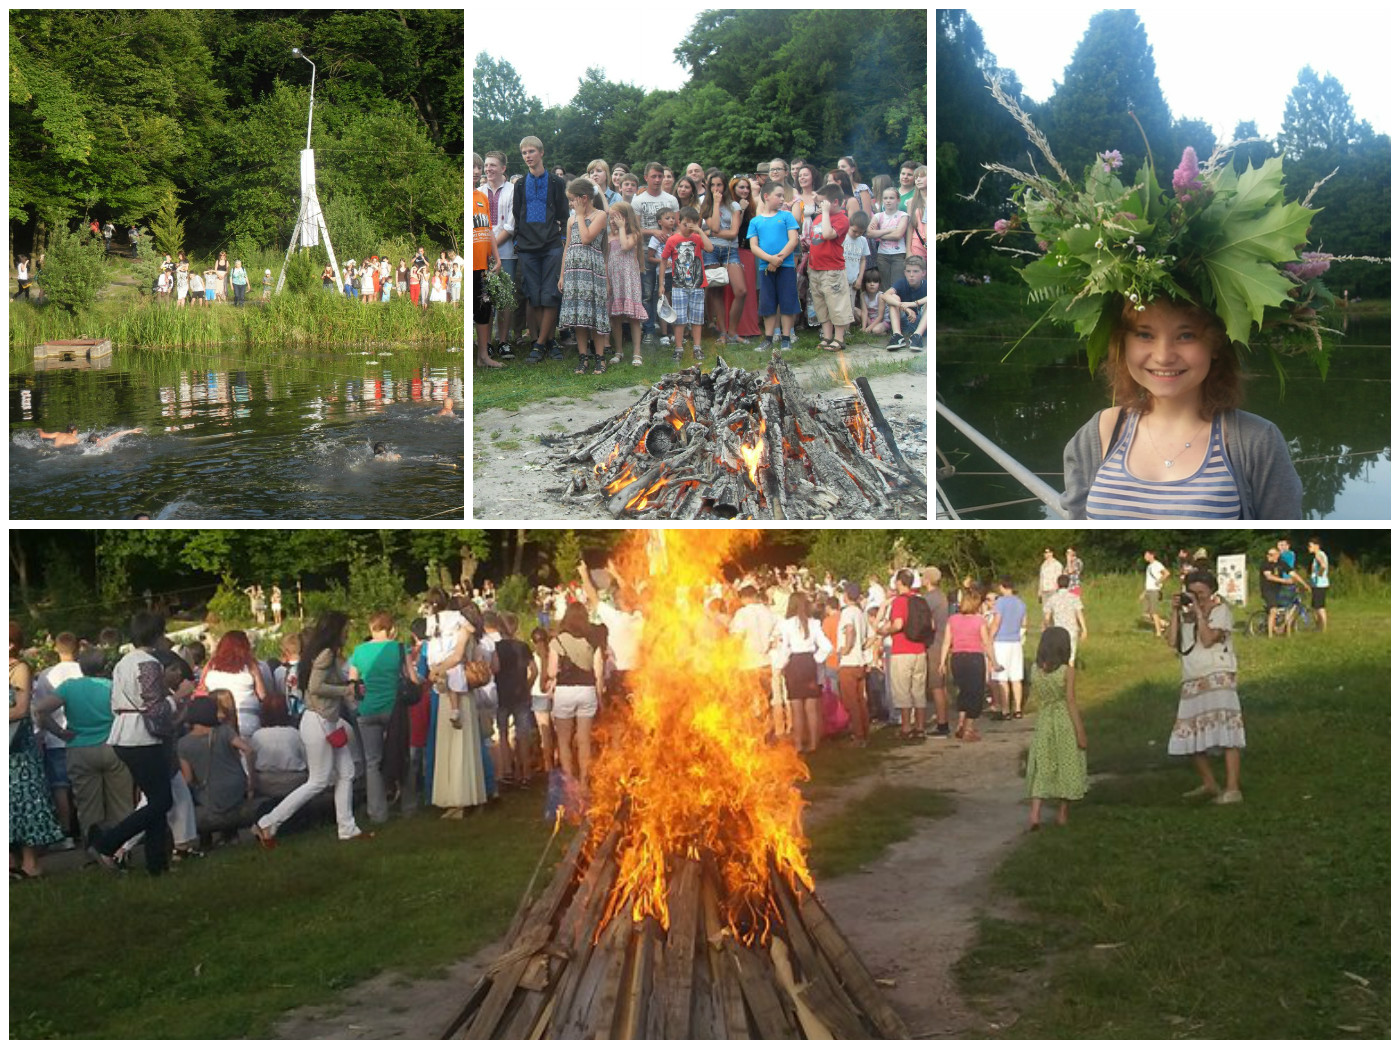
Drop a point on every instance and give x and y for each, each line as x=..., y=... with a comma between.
x=773, y=240
x=908, y=299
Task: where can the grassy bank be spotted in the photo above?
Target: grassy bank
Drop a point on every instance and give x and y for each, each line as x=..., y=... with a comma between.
x=1153, y=917
x=287, y=319
x=520, y=383
x=247, y=935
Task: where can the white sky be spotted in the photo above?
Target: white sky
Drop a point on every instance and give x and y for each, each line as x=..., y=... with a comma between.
x=1221, y=63
x=625, y=54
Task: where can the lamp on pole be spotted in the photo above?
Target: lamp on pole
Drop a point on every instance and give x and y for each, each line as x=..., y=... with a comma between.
x=297, y=51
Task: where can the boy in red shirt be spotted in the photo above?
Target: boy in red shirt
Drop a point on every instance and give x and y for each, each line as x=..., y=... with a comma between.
x=826, y=268
x=687, y=250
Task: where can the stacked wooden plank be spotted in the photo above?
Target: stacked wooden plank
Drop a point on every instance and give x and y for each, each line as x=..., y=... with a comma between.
x=732, y=443
x=567, y=974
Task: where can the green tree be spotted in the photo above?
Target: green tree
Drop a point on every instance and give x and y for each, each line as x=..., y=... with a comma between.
x=1252, y=154
x=167, y=228
x=567, y=554
x=1318, y=116
x=73, y=272
x=1111, y=77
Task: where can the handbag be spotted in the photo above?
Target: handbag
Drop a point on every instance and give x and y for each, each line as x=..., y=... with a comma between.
x=478, y=673
x=717, y=276
x=338, y=736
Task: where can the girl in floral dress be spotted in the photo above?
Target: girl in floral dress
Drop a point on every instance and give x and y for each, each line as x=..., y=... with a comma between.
x=583, y=276
x=1056, y=767
x=1208, y=717
x=625, y=278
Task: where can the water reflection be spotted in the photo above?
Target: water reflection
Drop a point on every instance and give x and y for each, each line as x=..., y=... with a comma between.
x=280, y=434
x=1338, y=430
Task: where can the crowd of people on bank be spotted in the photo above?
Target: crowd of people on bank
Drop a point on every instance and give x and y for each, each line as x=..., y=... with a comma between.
x=180, y=748
x=373, y=279
x=661, y=256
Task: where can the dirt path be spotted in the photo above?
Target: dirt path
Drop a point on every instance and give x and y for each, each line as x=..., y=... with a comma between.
x=911, y=914
x=506, y=481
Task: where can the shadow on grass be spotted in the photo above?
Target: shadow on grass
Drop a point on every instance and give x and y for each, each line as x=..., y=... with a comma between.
x=1156, y=917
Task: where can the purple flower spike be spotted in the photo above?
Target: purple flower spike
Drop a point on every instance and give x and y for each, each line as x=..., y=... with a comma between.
x=1312, y=264
x=1112, y=160
x=1001, y=225
x=1186, y=176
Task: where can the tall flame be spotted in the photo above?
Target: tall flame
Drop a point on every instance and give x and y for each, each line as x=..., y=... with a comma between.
x=688, y=762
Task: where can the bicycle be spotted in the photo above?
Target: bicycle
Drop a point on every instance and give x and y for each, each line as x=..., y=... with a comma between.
x=1296, y=617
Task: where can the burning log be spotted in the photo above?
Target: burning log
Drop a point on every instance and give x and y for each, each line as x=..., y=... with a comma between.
x=753, y=445
x=565, y=975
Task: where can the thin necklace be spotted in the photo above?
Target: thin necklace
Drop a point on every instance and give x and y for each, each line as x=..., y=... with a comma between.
x=1169, y=463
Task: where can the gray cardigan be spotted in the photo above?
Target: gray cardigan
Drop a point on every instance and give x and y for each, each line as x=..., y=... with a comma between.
x=1270, y=489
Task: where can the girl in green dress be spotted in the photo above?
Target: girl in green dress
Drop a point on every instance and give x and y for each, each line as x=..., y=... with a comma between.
x=1056, y=767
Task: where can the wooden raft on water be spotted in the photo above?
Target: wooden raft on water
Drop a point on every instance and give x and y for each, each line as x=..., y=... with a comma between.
x=73, y=350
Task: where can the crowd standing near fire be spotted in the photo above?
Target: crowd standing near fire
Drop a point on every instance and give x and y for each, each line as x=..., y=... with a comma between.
x=180, y=747
x=750, y=255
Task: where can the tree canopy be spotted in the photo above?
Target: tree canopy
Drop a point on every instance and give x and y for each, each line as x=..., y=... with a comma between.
x=823, y=84
x=1110, y=80
x=112, y=111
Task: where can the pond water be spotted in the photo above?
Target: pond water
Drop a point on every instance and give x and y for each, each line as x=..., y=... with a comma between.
x=1031, y=405
x=282, y=433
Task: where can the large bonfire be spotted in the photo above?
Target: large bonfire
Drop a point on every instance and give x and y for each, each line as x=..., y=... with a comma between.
x=685, y=906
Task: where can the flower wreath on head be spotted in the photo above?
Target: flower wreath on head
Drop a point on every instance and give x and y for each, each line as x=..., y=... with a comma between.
x=1223, y=241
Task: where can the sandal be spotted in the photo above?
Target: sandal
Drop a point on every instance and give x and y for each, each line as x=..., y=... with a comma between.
x=582, y=368
x=836, y=347
x=636, y=360
x=600, y=364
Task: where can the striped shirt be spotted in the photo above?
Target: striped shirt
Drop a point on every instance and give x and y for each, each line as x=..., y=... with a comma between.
x=1211, y=492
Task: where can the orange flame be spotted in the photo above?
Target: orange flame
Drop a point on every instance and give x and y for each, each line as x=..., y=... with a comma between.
x=622, y=482
x=602, y=467
x=688, y=760
x=640, y=502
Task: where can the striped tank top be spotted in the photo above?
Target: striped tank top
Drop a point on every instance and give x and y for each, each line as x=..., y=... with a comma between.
x=1211, y=492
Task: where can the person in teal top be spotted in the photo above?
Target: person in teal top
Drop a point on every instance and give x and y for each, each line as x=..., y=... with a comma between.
x=1056, y=767
x=239, y=277
x=102, y=789
x=376, y=663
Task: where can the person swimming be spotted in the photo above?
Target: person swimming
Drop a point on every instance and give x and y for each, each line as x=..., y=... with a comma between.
x=68, y=437
x=111, y=438
x=448, y=406
x=384, y=455
x=60, y=438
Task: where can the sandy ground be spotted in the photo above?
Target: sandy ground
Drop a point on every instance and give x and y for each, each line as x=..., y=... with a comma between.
x=911, y=914
x=506, y=483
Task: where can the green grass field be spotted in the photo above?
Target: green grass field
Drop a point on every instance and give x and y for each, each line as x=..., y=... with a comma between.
x=1153, y=917
x=222, y=946
x=520, y=383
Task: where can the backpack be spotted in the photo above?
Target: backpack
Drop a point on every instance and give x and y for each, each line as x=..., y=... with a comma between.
x=918, y=624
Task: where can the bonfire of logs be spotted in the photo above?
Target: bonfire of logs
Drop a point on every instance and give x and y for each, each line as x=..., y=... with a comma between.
x=732, y=443
x=566, y=974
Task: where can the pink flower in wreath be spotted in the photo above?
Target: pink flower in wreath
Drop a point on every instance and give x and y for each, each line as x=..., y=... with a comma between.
x=1186, y=177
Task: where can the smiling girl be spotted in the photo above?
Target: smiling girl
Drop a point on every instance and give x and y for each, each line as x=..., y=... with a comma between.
x=1175, y=444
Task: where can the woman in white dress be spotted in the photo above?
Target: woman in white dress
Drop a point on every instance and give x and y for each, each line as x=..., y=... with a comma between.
x=459, y=774
x=1208, y=716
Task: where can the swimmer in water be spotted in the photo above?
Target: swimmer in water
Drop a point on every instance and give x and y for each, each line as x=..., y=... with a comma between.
x=384, y=455
x=61, y=438
x=111, y=438
x=447, y=407
x=64, y=438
